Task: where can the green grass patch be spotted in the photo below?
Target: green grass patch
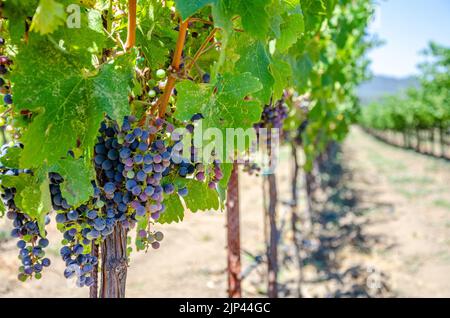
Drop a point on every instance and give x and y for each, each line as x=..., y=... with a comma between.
x=384, y=163
x=4, y=235
x=410, y=179
x=414, y=193
x=442, y=203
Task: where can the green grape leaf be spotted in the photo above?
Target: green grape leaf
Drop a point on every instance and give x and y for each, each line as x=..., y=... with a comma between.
x=254, y=17
x=314, y=12
x=222, y=13
x=17, y=11
x=67, y=102
x=275, y=11
x=37, y=199
x=255, y=60
x=77, y=187
x=84, y=41
x=222, y=104
x=32, y=196
x=174, y=210
x=154, y=34
x=49, y=16
x=226, y=168
x=292, y=29
x=330, y=5
x=282, y=73
x=189, y=7
x=301, y=69
x=201, y=197
x=11, y=157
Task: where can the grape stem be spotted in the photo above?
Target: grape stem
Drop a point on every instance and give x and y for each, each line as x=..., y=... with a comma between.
x=201, y=49
x=164, y=100
x=131, y=35
x=6, y=112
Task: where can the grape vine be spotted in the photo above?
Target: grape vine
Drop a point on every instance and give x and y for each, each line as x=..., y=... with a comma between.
x=104, y=137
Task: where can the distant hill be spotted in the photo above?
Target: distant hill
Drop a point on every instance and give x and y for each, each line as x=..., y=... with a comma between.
x=380, y=86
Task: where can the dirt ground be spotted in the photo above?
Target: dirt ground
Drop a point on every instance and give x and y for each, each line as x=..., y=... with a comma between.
x=381, y=229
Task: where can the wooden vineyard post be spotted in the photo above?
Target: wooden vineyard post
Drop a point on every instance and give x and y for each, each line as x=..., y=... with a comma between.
x=272, y=251
x=114, y=264
x=233, y=236
x=295, y=218
x=442, y=140
x=93, y=290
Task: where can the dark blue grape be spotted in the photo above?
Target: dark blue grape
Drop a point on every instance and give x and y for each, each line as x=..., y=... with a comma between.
x=169, y=188
x=46, y=262
x=100, y=149
x=138, y=159
x=99, y=159
x=107, y=165
x=92, y=214
x=7, y=99
x=113, y=154
x=21, y=244
x=109, y=187
x=125, y=153
x=183, y=192
x=43, y=242
x=72, y=215
x=206, y=78
x=143, y=146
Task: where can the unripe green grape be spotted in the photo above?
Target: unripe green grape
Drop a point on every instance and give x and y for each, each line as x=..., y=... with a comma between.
x=160, y=73
x=152, y=93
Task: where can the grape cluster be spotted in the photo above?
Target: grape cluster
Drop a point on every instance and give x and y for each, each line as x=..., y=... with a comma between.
x=131, y=168
x=31, y=243
x=5, y=63
x=79, y=226
x=136, y=169
x=212, y=173
x=252, y=168
x=152, y=239
x=273, y=116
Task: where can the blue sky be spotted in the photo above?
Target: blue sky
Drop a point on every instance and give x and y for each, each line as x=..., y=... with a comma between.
x=407, y=26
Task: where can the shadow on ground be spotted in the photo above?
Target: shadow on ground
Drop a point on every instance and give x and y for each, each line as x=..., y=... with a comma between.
x=338, y=230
